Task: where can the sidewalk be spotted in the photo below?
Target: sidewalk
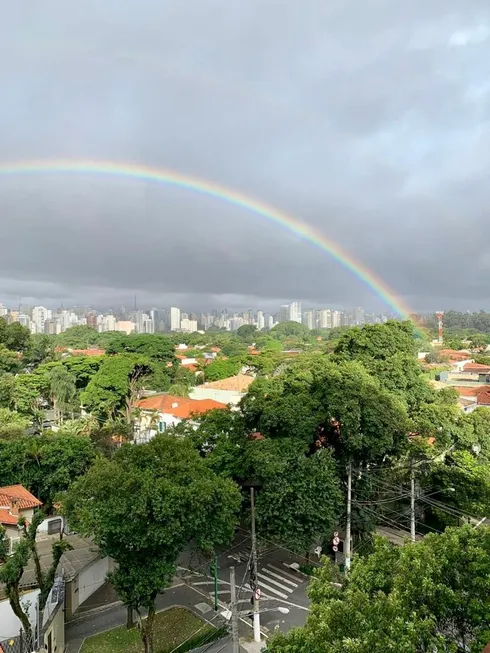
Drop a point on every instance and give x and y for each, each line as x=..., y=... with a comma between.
x=98, y=621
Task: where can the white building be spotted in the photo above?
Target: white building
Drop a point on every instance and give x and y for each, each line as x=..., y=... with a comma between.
x=260, y=320
x=174, y=318
x=188, y=326
x=40, y=315
x=325, y=318
x=106, y=323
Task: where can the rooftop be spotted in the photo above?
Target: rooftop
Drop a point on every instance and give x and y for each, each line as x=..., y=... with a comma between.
x=238, y=383
x=72, y=562
x=18, y=493
x=181, y=407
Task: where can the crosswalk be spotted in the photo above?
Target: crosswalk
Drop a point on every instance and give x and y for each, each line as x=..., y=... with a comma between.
x=274, y=582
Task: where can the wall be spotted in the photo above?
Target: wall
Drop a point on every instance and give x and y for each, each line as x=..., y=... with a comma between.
x=86, y=583
x=223, y=396
x=54, y=634
x=9, y=624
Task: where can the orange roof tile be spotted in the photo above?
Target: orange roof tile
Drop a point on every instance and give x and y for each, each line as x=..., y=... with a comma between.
x=7, y=519
x=182, y=407
x=24, y=498
x=483, y=398
x=87, y=352
x=476, y=367
x=470, y=391
x=238, y=383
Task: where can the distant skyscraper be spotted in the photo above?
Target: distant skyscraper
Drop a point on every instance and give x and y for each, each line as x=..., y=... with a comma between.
x=40, y=316
x=283, y=313
x=309, y=319
x=260, y=320
x=295, y=312
x=174, y=319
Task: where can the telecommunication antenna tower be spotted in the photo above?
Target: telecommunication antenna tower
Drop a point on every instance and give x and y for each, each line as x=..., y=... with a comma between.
x=440, y=326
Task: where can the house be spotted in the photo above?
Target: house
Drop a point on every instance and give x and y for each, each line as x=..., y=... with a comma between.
x=471, y=397
x=483, y=398
x=16, y=502
x=476, y=368
x=158, y=412
x=227, y=391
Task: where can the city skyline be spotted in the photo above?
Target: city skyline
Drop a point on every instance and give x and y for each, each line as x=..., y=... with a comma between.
x=40, y=319
x=300, y=110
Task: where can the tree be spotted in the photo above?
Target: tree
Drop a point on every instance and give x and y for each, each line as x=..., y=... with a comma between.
x=173, y=499
x=12, y=424
x=9, y=361
x=377, y=341
x=428, y=596
x=83, y=368
x=41, y=349
x=155, y=347
x=63, y=391
x=7, y=390
x=44, y=578
x=115, y=388
x=221, y=369
x=14, y=336
x=80, y=337
x=288, y=329
x=11, y=571
x=246, y=332
x=46, y=464
x=299, y=501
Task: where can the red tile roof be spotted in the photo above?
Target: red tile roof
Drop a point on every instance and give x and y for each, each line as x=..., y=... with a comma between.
x=238, y=383
x=87, y=352
x=181, y=407
x=25, y=499
x=466, y=391
x=483, y=398
x=475, y=368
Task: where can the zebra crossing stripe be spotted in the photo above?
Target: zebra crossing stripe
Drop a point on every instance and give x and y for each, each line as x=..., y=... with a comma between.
x=285, y=580
x=275, y=582
x=284, y=572
x=271, y=589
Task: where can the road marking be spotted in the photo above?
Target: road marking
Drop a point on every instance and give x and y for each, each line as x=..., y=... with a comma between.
x=275, y=582
x=284, y=572
x=285, y=580
x=271, y=589
x=210, y=582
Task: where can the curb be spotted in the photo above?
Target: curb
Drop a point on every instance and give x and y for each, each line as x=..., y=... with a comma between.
x=90, y=613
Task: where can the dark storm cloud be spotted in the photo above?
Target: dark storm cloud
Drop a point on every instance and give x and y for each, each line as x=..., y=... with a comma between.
x=367, y=119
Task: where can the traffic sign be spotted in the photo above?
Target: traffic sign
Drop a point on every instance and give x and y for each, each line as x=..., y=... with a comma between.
x=257, y=594
x=336, y=540
x=336, y=534
x=335, y=548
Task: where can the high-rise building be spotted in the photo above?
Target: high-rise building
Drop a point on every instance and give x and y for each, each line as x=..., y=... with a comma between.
x=336, y=318
x=260, y=320
x=309, y=319
x=174, y=319
x=325, y=318
x=295, y=312
x=188, y=326
x=40, y=315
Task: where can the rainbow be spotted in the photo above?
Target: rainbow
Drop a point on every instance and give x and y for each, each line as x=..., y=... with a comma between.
x=296, y=226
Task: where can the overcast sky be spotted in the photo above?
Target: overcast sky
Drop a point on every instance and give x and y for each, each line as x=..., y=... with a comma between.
x=369, y=119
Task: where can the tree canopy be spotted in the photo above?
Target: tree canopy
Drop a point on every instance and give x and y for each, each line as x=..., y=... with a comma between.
x=144, y=507
x=429, y=596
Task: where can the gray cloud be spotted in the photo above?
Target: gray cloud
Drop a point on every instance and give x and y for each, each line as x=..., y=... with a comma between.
x=368, y=120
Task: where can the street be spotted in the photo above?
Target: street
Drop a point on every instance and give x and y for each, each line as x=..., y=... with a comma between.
x=280, y=586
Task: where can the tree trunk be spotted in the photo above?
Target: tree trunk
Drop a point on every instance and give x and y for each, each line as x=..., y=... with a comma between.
x=147, y=628
x=14, y=601
x=129, y=618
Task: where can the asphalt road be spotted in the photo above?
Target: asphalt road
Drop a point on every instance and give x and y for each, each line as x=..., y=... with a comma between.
x=280, y=586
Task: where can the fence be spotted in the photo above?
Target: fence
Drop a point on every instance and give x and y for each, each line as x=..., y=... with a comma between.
x=22, y=643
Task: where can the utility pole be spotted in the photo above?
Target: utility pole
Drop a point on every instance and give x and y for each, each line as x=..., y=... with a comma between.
x=234, y=613
x=254, y=584
x=349, y=511
x=215, y=574
x=412, y=501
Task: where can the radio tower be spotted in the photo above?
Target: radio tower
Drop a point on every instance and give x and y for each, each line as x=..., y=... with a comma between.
x=440, y=315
